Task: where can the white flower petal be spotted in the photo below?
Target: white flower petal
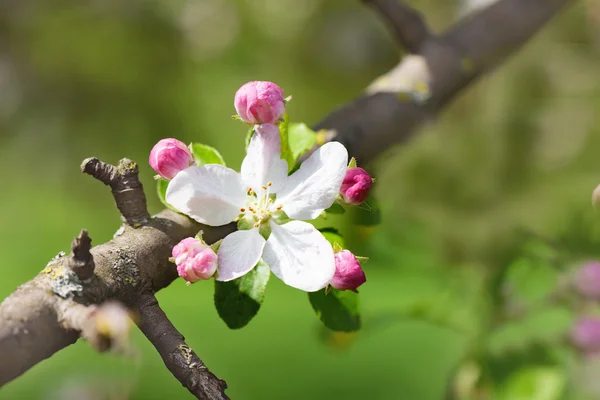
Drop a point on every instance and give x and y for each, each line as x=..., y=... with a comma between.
x=263, y=161
x=314, y=187
x=211, y=194
x=238, y=254
x=299, y=255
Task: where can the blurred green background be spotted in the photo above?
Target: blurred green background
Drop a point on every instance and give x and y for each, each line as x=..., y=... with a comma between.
x=484, y=213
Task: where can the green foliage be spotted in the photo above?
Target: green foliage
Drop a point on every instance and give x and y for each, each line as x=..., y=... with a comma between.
x=239, y=300
x=286, y=152
x=336, y=208
x=333, y=236
x=534, y=383
x=337, y=309
x=204, y=154
x=161, y=190
x=301, y=138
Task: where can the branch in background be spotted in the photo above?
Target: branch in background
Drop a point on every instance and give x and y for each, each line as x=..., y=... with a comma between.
x=407, y=25
x=179, y=358
x=446, y=64
x=135, y=263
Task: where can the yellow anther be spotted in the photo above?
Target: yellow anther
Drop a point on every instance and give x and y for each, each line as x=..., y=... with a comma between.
x=270, y=184
x=256, y=225
x=242, y=209
x=279, y=207
x=264, y=187
x=270, y=200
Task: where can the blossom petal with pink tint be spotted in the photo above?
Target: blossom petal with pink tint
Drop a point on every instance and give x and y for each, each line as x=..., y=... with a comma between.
x=263, y=163
x=239, y=252
x=299, y=255
x=316, y=184
x=211, y=194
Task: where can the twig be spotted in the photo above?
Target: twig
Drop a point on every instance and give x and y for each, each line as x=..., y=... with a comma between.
x=126, y=188
x=179, y=358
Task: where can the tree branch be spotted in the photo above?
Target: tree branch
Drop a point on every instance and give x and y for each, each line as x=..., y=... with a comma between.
x=135, y=263
x=407, y=24
x=179, y=358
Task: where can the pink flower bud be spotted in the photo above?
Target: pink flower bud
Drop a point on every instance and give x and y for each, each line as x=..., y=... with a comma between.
x=195, y=260
x=170, y=156
x=348, y=273
x=585, y=335
x=356, y=186
x=260, y=103
x=587, y=280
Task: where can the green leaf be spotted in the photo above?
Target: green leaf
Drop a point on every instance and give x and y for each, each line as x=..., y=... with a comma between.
x=286, y=152
x=534, y=383
x=333, y=236
x=161, y=190
x=301, y=139
x=336, y=208
x=204, y=154
x=338, y=309
x=530, y=280
x=238, y=301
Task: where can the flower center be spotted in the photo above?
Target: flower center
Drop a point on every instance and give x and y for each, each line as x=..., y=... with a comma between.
x=260, y=206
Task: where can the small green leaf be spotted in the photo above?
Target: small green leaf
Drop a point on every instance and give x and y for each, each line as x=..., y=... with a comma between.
x=238, y=301
x=301, y=139
x=286, y=153
x=336, y=208
x=204, y=154
x=338, y=309
x=333, y=236
x=249, y=136
x=352, y=163
x=161, y=190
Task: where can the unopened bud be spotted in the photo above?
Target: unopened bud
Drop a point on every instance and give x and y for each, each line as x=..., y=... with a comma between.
x=587, y=280
x=356, y=186
x=585, y=335
x=195, y=260
x=348, y=272
x=260, y=103
x=170, y=156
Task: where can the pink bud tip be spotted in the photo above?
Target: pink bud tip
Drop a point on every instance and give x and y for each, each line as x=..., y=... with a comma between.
x=260, y=103
x=587, y=280
x=348, y=273
x=195, y=261
x=170, y=156
x=585, y=335
x=356, y=186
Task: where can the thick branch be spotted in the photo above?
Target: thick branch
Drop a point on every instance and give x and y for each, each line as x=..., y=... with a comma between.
x=407, y=24
x=179, y=358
